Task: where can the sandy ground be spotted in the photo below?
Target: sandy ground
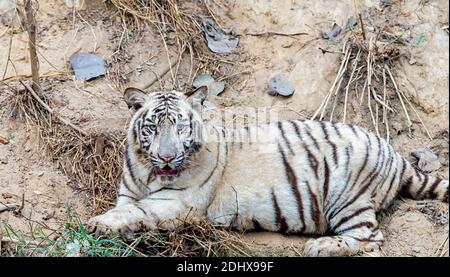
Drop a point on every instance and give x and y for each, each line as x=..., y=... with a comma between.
x=27, y=174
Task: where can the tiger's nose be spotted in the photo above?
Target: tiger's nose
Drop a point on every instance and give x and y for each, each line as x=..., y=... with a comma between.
x=166, y=158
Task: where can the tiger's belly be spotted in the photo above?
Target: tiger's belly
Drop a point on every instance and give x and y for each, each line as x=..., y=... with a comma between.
x=256, y=194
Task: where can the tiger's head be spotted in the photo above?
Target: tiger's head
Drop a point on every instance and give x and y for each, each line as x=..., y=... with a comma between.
x=166, y=129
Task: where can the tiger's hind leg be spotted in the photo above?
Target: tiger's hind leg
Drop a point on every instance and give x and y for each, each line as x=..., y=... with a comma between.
x=356, y=230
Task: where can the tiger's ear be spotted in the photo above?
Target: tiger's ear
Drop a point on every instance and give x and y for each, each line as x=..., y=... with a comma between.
x=135, y=98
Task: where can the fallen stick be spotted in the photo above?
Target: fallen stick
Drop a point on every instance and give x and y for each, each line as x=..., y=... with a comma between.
x=266, y=34
x=362, y=26
x=8, y=207
x=50, y=110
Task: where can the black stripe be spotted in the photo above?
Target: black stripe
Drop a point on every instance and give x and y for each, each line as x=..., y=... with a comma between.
x=124, y=195
x=128, y=166
x=292, y=179
x=226, y=151
x=336, y=129
x=347, y=218
x=431, y=191
x=353, y=130
x=151, y=177
x=348, y=149
x=327, y=139
x=358, y=225
x=400, y=185
x=366, y=159
x=333, y=207
x=422, y=187
x=312, y=161
x=308, y=133
x=326, y=181
x=387, y=167
x=166, y=188
x=386, y=194
x=296, y=129
x=127, y=186
x=368, y=181
x=279, y=219
x=142, y=210
x=283, y=135
x=314, y=207
x=256, y=225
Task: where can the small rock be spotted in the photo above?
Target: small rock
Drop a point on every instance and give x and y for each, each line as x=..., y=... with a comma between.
x=441, y=217
x=335, y=31
x=351, y=22
x=40, y=174
x=4, y=160
x=428, y=161
x=202, y=80
x=279, y=85
x=219, y=40
x=214, y=88
x=48, y=215
x=87, y=66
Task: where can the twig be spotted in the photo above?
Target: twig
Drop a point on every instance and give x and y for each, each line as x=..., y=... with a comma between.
x=397, y=91
x=34, y=60
x=9, y=57
x=418, y=116
x=270, y=33
x=362, y=26
x=355, y=63
x=369, y=84
x=50, y=110
x=51, y=73
x=385, y=118
x=329, y=51
x=441, y=247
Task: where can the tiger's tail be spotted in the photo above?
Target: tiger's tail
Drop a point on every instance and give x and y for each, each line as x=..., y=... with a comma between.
x=419, y=185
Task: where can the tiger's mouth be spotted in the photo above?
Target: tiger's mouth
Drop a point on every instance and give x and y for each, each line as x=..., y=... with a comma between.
x=167, y=171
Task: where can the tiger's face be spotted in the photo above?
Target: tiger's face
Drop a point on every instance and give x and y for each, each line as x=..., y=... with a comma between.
x=165, y=129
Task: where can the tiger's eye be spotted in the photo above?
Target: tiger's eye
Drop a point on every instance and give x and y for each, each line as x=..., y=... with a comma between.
x=151, y=127
x=180, y=127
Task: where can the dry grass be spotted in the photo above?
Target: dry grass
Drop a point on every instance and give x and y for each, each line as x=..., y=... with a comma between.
x=93, y=161
x=366, y=80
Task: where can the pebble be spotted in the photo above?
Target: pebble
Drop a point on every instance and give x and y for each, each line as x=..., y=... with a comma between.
x=280, y=85
x=428, y=161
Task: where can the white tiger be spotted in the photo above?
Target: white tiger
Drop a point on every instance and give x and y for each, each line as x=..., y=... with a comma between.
x=319, y=177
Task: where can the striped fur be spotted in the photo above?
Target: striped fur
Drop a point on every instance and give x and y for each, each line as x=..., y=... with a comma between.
x=306, y=177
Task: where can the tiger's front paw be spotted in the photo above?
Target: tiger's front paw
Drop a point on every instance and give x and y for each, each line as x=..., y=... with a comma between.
x=326, y=247
x=124, y=219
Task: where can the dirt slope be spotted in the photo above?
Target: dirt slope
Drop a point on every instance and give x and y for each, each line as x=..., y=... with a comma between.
x=133, y=58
